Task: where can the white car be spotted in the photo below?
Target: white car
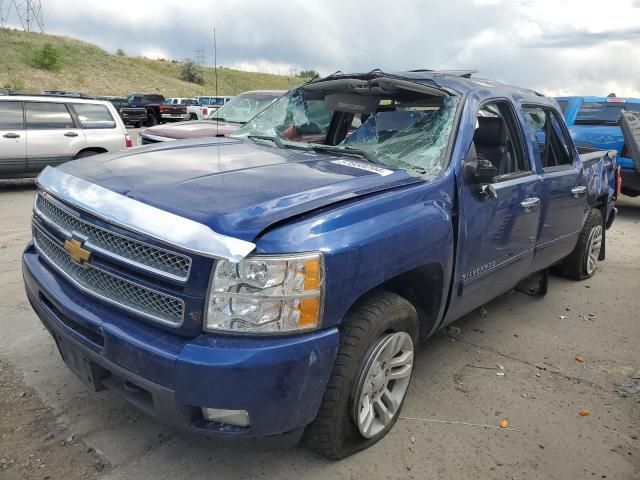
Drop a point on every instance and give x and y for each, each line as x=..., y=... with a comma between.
x=36, y=131
x=205, y=107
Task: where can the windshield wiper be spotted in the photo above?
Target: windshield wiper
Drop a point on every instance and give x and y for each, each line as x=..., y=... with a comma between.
x=331, y=149
x=280, y=143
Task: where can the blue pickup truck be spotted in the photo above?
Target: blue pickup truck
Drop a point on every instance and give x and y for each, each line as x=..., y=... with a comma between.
x=276, y=284
x=594, y=124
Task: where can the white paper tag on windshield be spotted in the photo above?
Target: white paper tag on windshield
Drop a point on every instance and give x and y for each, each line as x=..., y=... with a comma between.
x=383, y=172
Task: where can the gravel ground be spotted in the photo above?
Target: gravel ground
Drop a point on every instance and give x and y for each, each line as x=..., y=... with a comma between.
x=535, y=340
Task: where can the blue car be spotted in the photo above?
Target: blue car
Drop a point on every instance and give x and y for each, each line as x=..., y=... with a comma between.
x=276, y=284
x=594, y=123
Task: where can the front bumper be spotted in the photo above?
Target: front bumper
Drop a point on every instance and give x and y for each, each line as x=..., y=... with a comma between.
x=279, y=381
x=174, y=116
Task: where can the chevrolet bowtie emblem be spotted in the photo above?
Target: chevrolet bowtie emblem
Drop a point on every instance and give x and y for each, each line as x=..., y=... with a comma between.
x=76, y=252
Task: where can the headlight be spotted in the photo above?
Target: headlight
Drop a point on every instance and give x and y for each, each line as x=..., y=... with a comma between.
x=266, y=294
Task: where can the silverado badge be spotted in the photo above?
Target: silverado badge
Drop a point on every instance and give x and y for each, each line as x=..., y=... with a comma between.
x=75, y=250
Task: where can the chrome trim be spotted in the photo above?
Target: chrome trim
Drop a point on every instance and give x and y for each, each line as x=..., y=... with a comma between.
x=40, y=215
x=92, y=293
x=141, y=218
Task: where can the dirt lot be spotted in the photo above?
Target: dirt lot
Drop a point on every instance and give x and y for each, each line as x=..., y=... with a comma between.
x=53, y=427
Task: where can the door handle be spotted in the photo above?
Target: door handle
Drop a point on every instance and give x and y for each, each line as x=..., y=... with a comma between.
x=578, y=191
x=71, y=134
x=11, y=135
x=530, y=203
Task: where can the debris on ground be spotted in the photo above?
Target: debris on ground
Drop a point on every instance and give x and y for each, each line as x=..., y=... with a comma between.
x=504, y=423
x=579, y=358
x=562, y=317
x=483, y=312
x=630, y=388
x=484, y=367
x=500, y=374
x=454, y=330
x=452, y=422
x=584, y=412
x=592, y=316
x=567, y=308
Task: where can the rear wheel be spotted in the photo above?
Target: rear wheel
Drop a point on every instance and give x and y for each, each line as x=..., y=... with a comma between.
x=192, y=116
x=152, y=121
x=581, y=263
x=370, y=377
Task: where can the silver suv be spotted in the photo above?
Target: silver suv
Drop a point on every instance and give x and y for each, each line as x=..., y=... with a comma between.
x=36, y=131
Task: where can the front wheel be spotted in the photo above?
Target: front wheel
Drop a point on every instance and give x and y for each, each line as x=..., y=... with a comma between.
x=370, y=377
x=581, y=263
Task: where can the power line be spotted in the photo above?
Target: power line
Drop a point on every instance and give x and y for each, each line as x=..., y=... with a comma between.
x=29, y=13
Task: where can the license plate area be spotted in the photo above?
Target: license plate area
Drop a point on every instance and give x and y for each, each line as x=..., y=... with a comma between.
x=87, y=371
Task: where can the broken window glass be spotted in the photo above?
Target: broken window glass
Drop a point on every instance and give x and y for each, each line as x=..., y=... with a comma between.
x=413, y=137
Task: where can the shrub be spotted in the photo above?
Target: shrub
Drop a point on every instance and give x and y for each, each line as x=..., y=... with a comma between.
x=191, y=72
x=120, y=52
x=308, y=74
x=47, y=57
x=14, y=84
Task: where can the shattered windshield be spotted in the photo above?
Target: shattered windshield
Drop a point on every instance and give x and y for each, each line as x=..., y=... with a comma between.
x=396, y=127
x=243, y=108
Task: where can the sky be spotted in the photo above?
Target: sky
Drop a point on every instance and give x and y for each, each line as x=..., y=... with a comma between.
x=558, y=47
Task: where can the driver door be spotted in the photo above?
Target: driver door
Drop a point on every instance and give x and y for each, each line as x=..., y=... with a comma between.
x=498, y=220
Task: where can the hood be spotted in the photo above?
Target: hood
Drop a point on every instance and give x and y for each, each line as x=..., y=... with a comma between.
x=193, y=129
x=237, y=188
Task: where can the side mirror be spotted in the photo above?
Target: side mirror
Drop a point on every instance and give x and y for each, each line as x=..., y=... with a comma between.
x=479, y=171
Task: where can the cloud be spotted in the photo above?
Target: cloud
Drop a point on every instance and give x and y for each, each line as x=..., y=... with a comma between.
x=574, y=38
x=524, y=42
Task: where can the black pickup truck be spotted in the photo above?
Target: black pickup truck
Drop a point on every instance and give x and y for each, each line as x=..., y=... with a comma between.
x=141, y=109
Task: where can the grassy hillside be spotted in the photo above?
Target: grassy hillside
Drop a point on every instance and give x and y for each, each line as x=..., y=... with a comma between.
x=87, y=68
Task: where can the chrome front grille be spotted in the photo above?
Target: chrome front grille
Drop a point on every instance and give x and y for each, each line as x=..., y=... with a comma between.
x=143, y=255
x=109, y=287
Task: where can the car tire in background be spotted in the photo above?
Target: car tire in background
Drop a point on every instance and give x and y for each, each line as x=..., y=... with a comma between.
x=581, y=262
x=152, y=121
x=370, y=376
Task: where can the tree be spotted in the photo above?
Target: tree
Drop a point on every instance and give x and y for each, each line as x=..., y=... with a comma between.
x=308, y=74
x=47, y=57
x=120, y=52
x=191, y=72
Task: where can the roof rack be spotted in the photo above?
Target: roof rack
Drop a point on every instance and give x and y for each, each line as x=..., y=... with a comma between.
x=49, y=95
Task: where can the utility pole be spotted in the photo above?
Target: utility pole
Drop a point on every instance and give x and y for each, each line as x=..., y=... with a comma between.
x=215, y=60
x=4, y=12
x=29, y=14
x=200, y=56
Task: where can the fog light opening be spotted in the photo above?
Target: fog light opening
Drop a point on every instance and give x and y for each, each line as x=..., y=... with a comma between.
x=238, y=418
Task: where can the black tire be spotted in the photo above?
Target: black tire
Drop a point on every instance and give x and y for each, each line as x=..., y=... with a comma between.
x=152, y=121
x=86, y=153
x=192, y=116
x=334, y=433
x=575, y=266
